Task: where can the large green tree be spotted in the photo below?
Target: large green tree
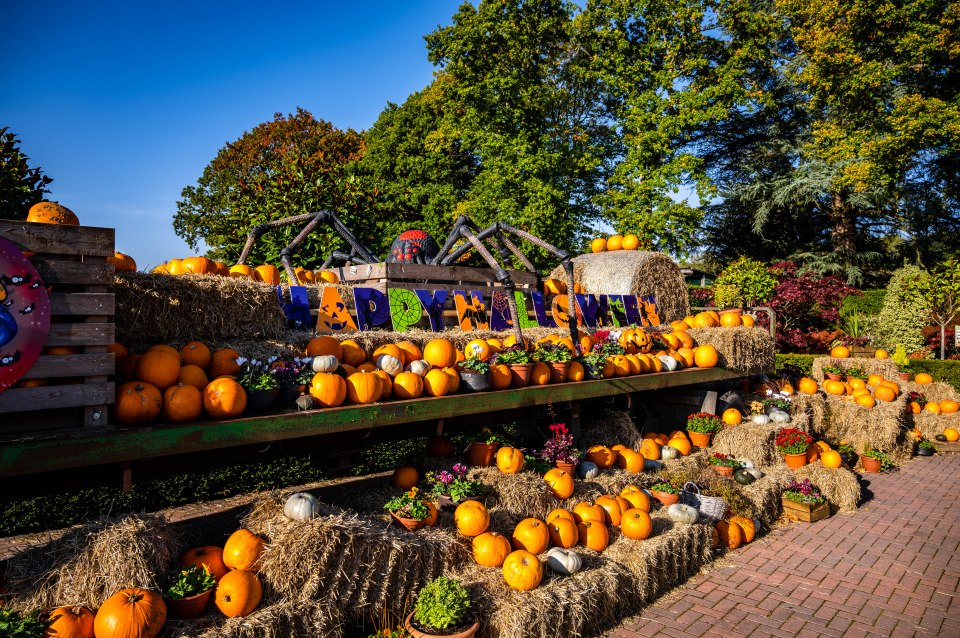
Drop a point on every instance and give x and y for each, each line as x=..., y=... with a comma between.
x=291, y=165
x=20, y=185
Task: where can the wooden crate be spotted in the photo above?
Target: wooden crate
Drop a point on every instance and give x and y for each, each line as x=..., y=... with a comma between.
x=805, y=512
x=72, y=260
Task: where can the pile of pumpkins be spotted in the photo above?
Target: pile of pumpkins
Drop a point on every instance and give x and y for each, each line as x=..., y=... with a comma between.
x=714, y=319
x=266, y=273
x=865, y=393
x=142, y=612
x=179, y=385
x=615, y=242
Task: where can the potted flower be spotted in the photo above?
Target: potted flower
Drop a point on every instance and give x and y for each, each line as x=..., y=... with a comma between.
x=558, y=357
x=259, y=383
x=475, y=374
x=856, y=372
x=665, y=492
x=519, y=360
x=442, y=609
x=833, y=371
x=453, y=487
x=926, y=448
x=188, y=595
x=847, y=453
x=409, y=509
x=900, y=358
x=293, y=378
x=701, y=426
x=723, y=464
x=559, y=449
x=482, y=447
x=793, y=444
x=593, y=363
x=875, y=461
x=802, y=501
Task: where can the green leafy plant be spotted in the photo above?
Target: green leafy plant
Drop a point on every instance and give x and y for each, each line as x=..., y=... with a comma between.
x=536, y=464
x=666, y=487
x=256, y=374
x=457, y=484
x=514, y=355
x=486, y=435
x=410, y=504
x=856, y=372
x=886, y=463
x=15, y=624
x=443, y=603
x=745, y=282
x=722, y=460
x=782, y=404
x=552, y=353
x=704, y=423
x=475, y=366
x=190, y=582
x=900, y=358
x=927, y=444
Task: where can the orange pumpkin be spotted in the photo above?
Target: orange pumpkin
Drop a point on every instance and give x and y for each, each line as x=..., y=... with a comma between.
x=405, y=477
x=477, y=349
x=884, y=393
x=923, y=378
x=747, y=527
x=195, y=353
x=522, y=570
x=209, y=557
x=223, y=362
x=636, y=524
x=602, y=456
x=363, y=388
x=584, y=511
x=532, y=535
x=70, y=622
x=137, y=403
x=436, y=383
x=130, y=613
x=509, y=460
x=224, y=398
x=182, y=404
x=52, y=213
x=560, y=513
x=598, y=245
x=408, y=385
x=325, y=345
x=471, y=518
x=682, y=445
x=159, y=368
x=193, y=375
x=560, y=482
x=490, y=549
x=631, y=461
x=540, y=374
x=593, y=535
x=269, y=274
x=840, y=352
x=410, y=351
x=731, y=535
x=238, y=593
x=243, y=550
x=122, y=262
x=433, y=517
x=563, y=532
x=650, y=449
x=705, y=356
x=500, y=377
x=352, y=353
x=612, y=513
x=636, y=497
x=440, y=353
x=732, y=416
x=328, y=390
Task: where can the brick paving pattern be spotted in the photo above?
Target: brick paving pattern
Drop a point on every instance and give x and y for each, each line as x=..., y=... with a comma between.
x=891, y=569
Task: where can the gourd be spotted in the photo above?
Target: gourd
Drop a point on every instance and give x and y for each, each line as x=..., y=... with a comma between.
x=680, y=513
x=224, y=398
x=636, y=524
x=668, y=453
x=490, y=549
x=301, y=506
x=743, y=477
x=328, y=390
x=522, y=570
x=390, y=364
x=759, y=419
x=563, y=532
x=587, y=470
x=754, y=472
x=779, y=416
x=471, y=518
x=747, y=463
x=593, y=535
x=405, y=477
x=532, y=535
x=325, y=363
x=242, y=550
x=70, y=622
x=561, y=483
x=564, y=561
x=209, y=557
x=669, y=363
x=419, y=367
x=651, y=466
x=509, y=460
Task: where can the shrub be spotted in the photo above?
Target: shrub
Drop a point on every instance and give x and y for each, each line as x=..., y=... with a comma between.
x=745, y=282
x=792, y=364
x=868, y=304
x=905, y=313
x=441, y=604
x=700, y=296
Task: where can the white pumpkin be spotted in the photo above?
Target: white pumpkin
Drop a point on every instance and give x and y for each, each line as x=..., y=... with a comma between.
x=779, y=416
x=669, y=363
x=759, y=419
x=746, y=463
x=390, y=364
x=587, y=470
x=651, y=466
x=754, y=472
x=564, y=561
x=419, y=368
x=325, y=363
x=680, y=513
x=668, y=452
x=301, y=506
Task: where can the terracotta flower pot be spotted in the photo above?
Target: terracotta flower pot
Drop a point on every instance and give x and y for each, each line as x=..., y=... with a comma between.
x=732, y=311
x=189, y=607
x=723, y=470
x=411, y=524
x=520, y=374
x=416, y=633
x=795, y=461
x=566, y=467
x=870, y=465
x=904, y=376
x=559, y=371
x=699, y=439
x=832, y=377
x=482, y=454
x=666, y=498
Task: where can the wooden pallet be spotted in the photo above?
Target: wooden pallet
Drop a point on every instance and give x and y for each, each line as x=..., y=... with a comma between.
x=72, y=260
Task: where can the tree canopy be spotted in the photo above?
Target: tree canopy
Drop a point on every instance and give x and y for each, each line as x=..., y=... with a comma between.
x=20, y=185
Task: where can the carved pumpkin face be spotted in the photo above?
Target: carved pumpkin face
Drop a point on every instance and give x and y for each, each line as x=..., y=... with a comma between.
x=334, y=315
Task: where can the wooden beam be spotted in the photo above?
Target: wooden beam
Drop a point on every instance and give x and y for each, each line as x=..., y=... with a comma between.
x=80, y=449
x=59, y=239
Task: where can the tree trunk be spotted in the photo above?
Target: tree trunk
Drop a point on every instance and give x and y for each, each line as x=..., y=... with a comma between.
x=843, y=233
x=943, y=339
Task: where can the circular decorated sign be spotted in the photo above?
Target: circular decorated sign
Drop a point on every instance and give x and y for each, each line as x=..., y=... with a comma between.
x=24, y=314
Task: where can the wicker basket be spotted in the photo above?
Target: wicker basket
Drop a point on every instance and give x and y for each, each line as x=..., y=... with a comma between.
x=711, y=508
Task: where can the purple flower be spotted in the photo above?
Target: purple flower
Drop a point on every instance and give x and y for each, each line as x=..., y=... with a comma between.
x=445, y=477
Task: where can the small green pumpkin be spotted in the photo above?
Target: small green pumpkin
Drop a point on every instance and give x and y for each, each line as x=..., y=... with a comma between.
x=743, y=477
x=941, y=438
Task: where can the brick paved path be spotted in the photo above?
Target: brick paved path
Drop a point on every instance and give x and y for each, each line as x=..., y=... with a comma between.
x=891, y=569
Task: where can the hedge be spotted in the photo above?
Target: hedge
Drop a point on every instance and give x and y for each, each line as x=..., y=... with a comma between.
x=868, y=305
x=802, y=361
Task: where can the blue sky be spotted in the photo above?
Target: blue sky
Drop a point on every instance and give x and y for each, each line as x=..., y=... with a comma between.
x=124, y=103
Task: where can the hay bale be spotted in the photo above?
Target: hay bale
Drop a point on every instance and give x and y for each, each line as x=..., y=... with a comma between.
x=938, y=391
x=630, y=272
x=280, y=619
x=884, y=367
x=610, y=427
x=176, y=309
x=357, y=561
x=840, y=486
x=749, y=441
x=765, y=492
x=91, y=562
x=808, y=409
x=882, y=428
x=523, y=495
x=746, y=350
x=930, y=424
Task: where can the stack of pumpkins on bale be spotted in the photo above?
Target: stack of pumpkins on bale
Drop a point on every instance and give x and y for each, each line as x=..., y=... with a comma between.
x=265, y=273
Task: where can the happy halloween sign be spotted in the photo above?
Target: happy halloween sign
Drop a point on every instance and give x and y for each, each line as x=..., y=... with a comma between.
x=401, y=309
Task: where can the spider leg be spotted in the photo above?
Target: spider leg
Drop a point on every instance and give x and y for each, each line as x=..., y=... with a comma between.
x=502, y=275
x=462, y=222
x=260, y=229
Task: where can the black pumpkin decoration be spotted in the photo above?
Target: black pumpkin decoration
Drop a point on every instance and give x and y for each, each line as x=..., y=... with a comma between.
x=743, y=477
x=941, y=438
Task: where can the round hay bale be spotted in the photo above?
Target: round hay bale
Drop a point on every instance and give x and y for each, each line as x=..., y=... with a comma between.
x=630, y=272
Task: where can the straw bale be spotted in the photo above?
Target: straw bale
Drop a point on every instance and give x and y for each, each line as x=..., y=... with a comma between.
x=930, y=424
x=611, y=427
x=884, y=367
x=524, y=494
x=630, y=272
x=152, y=308
x=810, y=409
x=358, y=561
x=938, y=391
x=840, y=486
x=749, y=441
x=746, y=350
x=765, y=492
x=281, y=619
x=882, y=428
x=91, y=562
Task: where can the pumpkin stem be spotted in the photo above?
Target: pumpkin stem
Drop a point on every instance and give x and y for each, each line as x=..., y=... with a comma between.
x=134, y=597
